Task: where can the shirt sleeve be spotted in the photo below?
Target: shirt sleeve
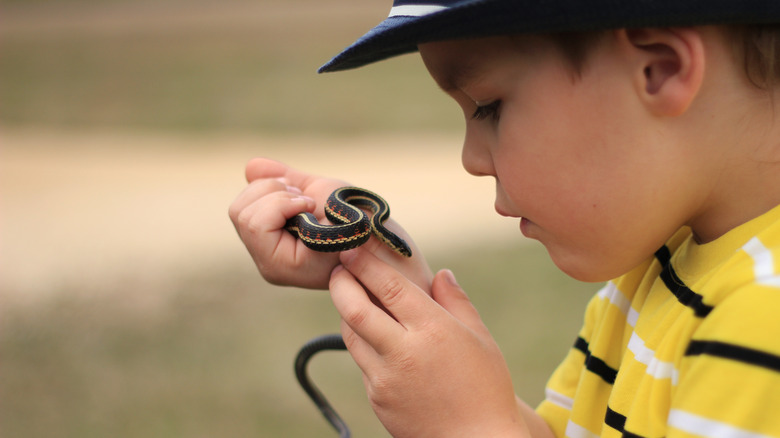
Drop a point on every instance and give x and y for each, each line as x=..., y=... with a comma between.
x=562, y=385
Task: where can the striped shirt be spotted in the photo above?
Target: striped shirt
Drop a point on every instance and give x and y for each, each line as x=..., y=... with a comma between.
x=688, y=344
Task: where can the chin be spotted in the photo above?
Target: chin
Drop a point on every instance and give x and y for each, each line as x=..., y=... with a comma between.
x=583, y=268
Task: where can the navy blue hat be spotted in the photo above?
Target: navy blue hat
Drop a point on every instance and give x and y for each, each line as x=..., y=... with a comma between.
x=412, y=22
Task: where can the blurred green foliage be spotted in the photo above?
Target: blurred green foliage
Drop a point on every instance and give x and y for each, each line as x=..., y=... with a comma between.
x=215, y=357
x=202, y=65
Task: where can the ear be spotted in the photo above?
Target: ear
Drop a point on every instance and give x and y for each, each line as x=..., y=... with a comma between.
x=668, y=68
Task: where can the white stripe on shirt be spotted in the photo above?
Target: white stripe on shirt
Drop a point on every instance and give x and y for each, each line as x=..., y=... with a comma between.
x=558, y=399
x=764, y=263
x=701, y=426
x=613, y=294
x=574, y=430
x=656, y=368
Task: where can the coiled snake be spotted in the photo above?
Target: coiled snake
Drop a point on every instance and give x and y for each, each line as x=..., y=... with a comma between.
x=351, y=228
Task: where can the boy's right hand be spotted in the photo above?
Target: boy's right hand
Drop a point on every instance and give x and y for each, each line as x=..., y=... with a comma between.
x=276, y=193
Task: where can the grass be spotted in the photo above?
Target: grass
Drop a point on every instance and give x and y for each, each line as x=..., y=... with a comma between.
x=247, y=72
x=212, y=355
x=215, y=357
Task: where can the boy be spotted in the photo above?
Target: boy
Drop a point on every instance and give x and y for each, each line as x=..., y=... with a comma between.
x=633, y=151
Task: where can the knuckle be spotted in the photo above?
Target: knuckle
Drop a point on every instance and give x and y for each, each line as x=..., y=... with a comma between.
x=433, y=334
x=250, y=222
x=405, y=363
x=272, y=276
x=392, y=291
x=356, y=316
x=384, y=389
x=242, y=218
x=233, y=212
x=379, y=390
x=351, y=339
x=381, y=385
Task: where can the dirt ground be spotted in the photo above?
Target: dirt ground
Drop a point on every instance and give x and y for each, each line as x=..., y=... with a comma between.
x=86, y=210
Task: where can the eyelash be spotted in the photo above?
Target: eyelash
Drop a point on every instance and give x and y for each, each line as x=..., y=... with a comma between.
x=491, y=110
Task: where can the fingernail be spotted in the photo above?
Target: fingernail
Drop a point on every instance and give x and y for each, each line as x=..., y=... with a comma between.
x=303, y=198
x=303, y=202
x=450, y=277
x=347, y=256
x=293, y=189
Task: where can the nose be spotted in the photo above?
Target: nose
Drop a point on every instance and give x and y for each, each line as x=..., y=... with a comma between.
x=476, y=156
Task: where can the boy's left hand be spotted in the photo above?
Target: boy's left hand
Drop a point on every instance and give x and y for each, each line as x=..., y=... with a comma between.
x=430, y=366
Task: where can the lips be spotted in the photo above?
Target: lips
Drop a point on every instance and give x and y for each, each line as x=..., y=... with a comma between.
x=504, y=212
x=503, y=204
x=525, y=226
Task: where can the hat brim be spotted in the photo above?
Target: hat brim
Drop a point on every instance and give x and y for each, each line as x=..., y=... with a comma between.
x=482, y=18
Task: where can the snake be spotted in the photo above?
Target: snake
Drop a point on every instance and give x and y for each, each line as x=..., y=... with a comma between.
x=351, y=225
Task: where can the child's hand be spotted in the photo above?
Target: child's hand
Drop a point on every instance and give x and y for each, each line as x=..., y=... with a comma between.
x=275, y=194
x=430, y=366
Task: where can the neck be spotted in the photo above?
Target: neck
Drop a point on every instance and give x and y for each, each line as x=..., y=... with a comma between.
x=749, y=182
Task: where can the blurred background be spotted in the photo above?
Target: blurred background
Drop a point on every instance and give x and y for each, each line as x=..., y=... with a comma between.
x=128, y=306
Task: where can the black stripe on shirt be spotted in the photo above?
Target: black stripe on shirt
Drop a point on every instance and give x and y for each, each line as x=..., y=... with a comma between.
x=684, y=294
x=594, y=364
x=615, y=420
x=734, y=352
x=618, y=422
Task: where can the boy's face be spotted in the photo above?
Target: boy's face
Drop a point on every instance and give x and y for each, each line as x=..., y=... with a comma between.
x=577, y=158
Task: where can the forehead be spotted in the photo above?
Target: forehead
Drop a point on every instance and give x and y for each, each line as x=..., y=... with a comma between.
x=456, y=63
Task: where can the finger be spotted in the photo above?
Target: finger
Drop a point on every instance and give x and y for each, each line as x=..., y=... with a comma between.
x=261, y=224
x=272, y=212
x=368, y=321
x=260, y=168
x=279, y=256
x=289, y=201
x=406, y=302
x=361, y=351
x=254, y=191
x=446, y=291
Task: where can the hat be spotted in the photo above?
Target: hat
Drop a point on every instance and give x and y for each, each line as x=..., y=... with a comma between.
x=413, y=22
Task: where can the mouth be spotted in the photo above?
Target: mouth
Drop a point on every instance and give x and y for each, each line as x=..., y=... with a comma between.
x=502, y=212
x=503, y=206
x=525, y=224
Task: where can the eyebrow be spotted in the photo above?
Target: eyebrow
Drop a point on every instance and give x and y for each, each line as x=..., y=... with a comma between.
x=453, y=76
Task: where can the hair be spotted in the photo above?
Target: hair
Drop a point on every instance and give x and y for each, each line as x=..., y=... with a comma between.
x=576, y=47
x=757, y=47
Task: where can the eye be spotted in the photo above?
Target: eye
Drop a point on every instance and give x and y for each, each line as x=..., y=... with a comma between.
x=491, y=110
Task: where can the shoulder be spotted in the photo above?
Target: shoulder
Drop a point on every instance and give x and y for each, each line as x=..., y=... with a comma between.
x=745, y=299
x=730, y=369
x=748, y=318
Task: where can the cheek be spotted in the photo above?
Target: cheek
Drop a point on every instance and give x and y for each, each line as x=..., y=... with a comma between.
x=546, y=182
x=587, y=183
x=579, y=210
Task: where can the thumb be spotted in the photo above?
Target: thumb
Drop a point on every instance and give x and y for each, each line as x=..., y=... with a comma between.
x=446, y=291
